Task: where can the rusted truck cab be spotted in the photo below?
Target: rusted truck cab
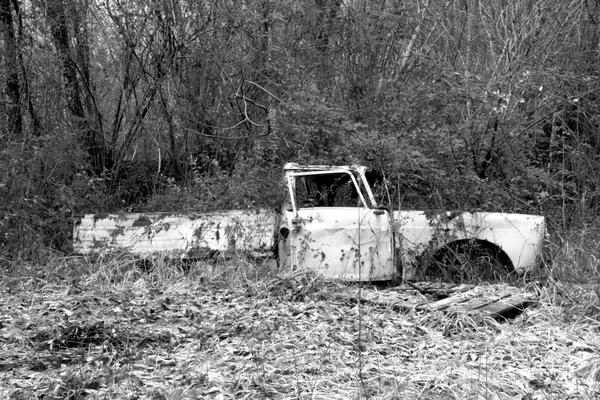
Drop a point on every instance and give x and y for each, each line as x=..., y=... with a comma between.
x=333, y=224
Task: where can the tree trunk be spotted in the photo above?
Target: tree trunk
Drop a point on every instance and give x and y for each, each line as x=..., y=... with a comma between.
x=174, y=153
x=327, y=12
x=60, y=35
x=92, y=139
x=12, y=91
x=36, y=125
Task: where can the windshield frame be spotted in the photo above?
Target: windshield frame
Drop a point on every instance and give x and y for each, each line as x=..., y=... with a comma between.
x=291, y=178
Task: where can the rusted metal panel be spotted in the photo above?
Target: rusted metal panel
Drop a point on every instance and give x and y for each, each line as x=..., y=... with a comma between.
x=343, y=243
x=520, y=236
x=181, y=235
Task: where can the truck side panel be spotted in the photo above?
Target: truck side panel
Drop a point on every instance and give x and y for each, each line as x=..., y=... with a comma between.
x=175, y=235
x=520, y=236
x=346, y=243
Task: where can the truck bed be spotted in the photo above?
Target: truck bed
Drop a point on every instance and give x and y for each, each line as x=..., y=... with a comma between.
x=175, y=234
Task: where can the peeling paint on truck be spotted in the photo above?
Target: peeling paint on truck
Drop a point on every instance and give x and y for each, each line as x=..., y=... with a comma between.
x=180, y=235
x=330, y=223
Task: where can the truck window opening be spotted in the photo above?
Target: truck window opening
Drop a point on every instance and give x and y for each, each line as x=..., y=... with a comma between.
x=327, y=190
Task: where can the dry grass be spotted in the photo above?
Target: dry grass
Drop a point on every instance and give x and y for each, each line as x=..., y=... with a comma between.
x=238, y=329
x=574, y=256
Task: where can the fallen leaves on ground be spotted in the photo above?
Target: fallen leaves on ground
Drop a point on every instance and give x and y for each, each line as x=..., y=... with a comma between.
x=277, y=339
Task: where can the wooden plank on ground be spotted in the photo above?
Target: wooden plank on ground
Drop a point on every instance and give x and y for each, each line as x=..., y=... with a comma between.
x=438, y=288
x=391, y=299
x=516, y=302
x=481, y=299
x=489, y=300
x=442, y=304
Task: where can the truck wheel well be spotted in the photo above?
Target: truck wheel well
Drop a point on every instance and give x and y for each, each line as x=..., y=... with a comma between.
x=469, y=260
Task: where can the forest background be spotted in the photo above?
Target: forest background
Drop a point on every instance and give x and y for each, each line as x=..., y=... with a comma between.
x=178, y=105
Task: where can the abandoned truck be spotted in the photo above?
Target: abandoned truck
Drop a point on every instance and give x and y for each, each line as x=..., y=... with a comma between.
x=331, y=223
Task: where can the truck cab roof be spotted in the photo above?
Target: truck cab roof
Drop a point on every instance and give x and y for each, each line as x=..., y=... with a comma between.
x=294, y=167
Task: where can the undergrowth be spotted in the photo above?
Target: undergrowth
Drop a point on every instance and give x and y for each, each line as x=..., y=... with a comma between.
x=110, y=323
x=574, y=256
x=253, y=277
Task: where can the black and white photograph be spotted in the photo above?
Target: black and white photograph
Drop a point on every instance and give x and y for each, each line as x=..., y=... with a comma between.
x=300, y=199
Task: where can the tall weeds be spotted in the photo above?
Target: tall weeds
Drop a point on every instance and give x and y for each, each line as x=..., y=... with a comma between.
x=574, y=256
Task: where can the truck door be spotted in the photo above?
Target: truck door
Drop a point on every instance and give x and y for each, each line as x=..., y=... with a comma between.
x=333, y=231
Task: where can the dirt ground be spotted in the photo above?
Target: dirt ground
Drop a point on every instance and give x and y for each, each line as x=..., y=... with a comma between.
x=277, y=338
